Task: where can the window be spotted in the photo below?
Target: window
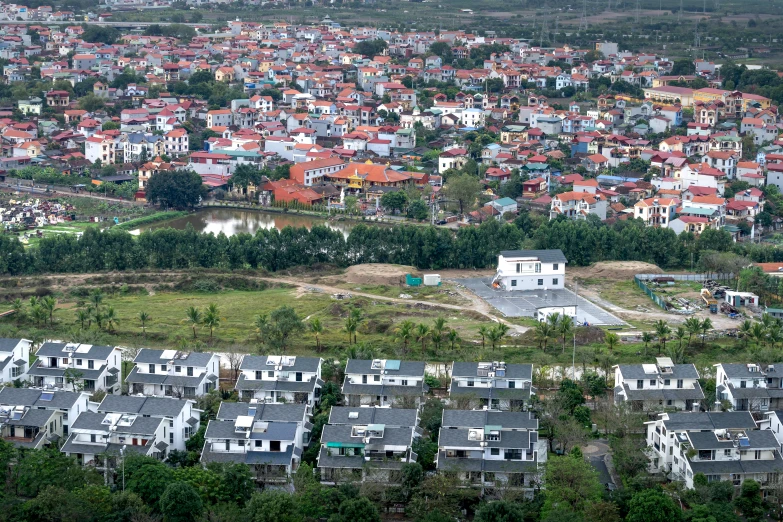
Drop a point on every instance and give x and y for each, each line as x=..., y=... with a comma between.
x=178, y=369
x=404, y=382
x=639, y=384
x=727, y=453
x=512, y=384
x=364, y=379
x=152, y=368
x=519, y=268
x=91, y=365
x=376, y=378
x=494, y=451
x=163, y=368
x=757, y=455
x=538, y=268
x=652, y=382
x=92, y=437
x=667, y=382
x=540, y=282
x=270, y=374
x=679, y=383
x=555, y=266
x=471, y=383
x=555, y=281
x=513, y=282
x=190, y=371
x=513, y=454
x=743, y=384
x=78, y=362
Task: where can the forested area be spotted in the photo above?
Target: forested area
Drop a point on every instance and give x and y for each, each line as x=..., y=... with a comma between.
x=426, y=247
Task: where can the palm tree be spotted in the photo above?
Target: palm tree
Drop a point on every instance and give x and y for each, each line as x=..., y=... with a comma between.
x=554, y=320
x=97, y=316
x=193, y=317
x=774, y=336
x=543, y=332
x=483, y=331
x=706, y=325
x=317, y=328
x=453, y=338
x=404, y=333
x=494, y=337
x=437, y=339
x=350, y=327
x=96, y=298
x=144, y=317
x=662, y=330
x=49, y=303
x=565, y=328
x=357, y=317
x=262, y=325
x=440, y=325
x=39, y=314
x=693, y=326
x=647, y=338
x=422, y=332
x=82, y=316
x=18, y=307
x=212, y=318
x=758, y=333
x=767, y=320
x=110, y=316
x=745, y=331
x=680, y=334
x=612, y=340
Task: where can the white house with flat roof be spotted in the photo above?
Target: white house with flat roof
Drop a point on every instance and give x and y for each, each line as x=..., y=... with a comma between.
x=530, y=270
x=14, y=359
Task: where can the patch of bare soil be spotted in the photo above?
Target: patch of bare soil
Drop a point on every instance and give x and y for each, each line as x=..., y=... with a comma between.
x=614, y=270
x=373, y=274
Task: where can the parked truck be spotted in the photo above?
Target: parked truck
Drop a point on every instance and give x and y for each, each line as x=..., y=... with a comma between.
x=710, y=301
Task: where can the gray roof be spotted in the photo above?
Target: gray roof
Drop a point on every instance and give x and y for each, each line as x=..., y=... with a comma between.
x=709, y=421
x=679, y=371
x=477, y=392
x=745, y=393
x=388, y=390
x=8, y=345
x=513, y=371
x=545, y=256
x=739, y=371
x=196, y=359
x=57, y=350
x=391, y=436
x=458, y=437
x=674, y=394
x=355, y=462
x=95, y=449
x=281, y=458
x=94, y=422
x=266, y=412
x=386, y=416
x=153, y=406
x=301, y=364
x=407, y=368
x=306, y=386
x=165, y=379
x=33, y=417
x=497, y=466
x=283, y=431
x=707, y=440
x=479, y=419
x=61, y=400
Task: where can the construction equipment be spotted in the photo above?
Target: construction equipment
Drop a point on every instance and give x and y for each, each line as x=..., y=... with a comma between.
x=710, y=301
x=412, y=281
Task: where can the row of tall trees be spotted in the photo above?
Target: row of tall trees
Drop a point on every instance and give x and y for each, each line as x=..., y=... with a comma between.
x=582, y=242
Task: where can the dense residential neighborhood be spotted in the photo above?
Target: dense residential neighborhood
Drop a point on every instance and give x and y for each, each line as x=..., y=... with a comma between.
x=264, y=267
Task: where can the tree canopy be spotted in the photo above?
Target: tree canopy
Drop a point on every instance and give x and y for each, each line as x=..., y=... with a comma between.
x=175, y=188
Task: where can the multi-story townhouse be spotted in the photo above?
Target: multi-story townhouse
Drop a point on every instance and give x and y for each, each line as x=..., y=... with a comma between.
x=136, y=145
x=100, y=148
x=33, y=418
x=490, y=448
x=181, y=415
x=723, y=446
x=14, y=359
x=269, y=438
x=663, y=385
x=578, y=205
x=530, y=269
x=76, y=367
x=176, y=142
x=384, y=382
x=367, y=444
x=173, y=373
x=280, y=378
x=495, y=385
x=749, y=387
x=101, y=440
x=655, y=212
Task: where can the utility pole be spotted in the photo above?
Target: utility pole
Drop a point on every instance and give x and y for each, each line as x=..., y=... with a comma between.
x=679, y=16
x=583, y=20
x=576, y=304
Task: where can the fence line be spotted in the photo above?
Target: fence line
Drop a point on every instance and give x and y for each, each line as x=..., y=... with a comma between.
x=687, y=277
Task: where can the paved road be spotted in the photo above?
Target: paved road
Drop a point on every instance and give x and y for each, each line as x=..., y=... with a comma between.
x=12, y=184
x=525, y=303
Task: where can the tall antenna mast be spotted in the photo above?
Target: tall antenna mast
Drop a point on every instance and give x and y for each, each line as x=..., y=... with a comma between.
x=583, y=20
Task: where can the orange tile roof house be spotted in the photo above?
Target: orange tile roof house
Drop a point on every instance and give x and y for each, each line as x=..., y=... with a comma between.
x=310, y=172
x=577, y=205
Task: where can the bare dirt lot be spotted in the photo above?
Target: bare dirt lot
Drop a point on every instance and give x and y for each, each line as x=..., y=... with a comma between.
x=373, y=274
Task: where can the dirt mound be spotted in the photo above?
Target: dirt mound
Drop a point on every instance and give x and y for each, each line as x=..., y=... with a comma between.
x=616, y=270
x=373, y=274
